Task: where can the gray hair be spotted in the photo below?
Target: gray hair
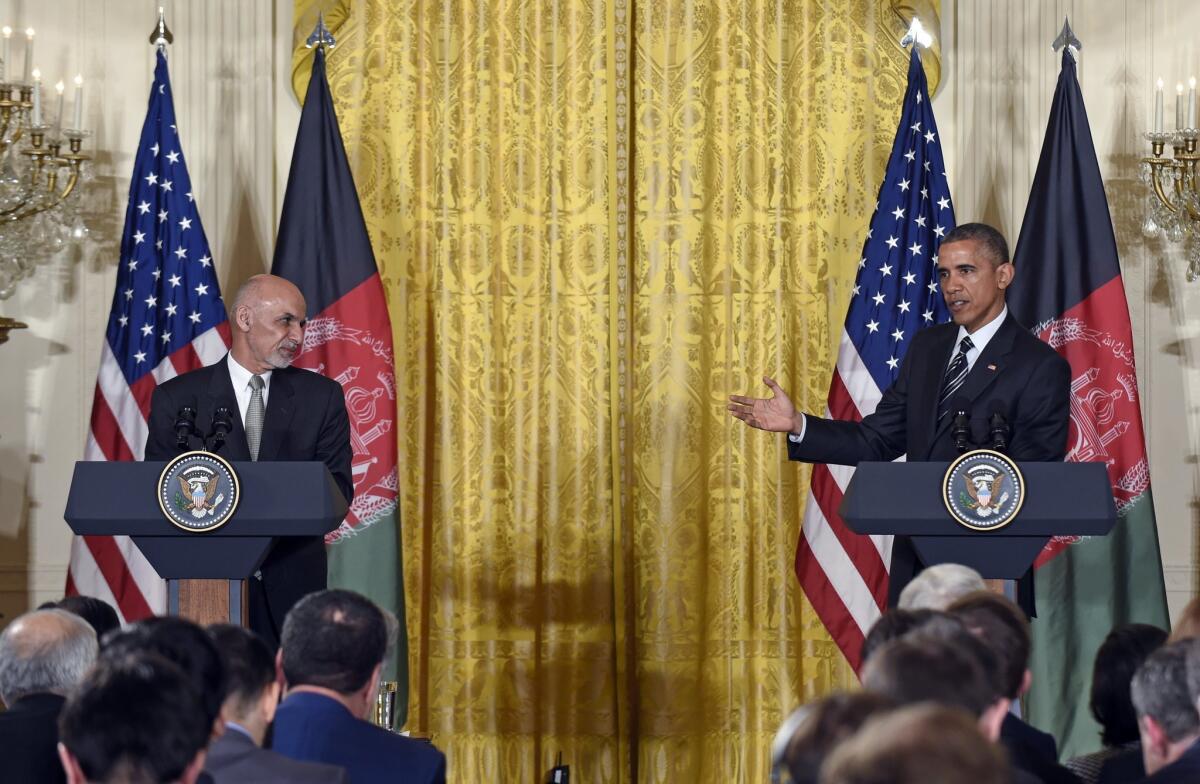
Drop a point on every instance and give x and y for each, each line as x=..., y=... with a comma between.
x=44, y=651
x=939, y=586
x=1160, y=690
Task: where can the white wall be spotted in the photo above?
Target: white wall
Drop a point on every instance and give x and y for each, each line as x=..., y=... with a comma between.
x=230, y=73
x=1000, y=74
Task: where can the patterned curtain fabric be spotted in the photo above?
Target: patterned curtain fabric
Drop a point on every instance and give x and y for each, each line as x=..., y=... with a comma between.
x=595, y=219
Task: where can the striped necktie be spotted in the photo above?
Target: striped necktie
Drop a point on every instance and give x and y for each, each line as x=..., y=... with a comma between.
x=956, y=374
x=255, y=414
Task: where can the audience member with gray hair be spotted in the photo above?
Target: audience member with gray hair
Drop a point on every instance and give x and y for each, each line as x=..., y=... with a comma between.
x=937, y=587
x=1167, y=719
x=43, y=655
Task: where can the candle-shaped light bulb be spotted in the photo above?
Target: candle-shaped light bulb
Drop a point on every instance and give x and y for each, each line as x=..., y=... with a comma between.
x=78, y=102
x=36, y=118
x=28, y=54
x=1191, y=110
x=1158, y=106
x=1178, y=105
x=60, y=88
x=6, y=53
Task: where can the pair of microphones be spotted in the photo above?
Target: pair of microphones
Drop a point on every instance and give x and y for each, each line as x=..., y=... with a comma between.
x=960, y=429
x=185, y=428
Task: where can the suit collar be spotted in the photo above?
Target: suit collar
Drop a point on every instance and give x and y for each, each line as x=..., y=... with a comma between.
x=220, y=392
x=987, y=369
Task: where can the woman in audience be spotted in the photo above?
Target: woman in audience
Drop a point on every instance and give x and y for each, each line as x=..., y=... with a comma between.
x=1122, y=652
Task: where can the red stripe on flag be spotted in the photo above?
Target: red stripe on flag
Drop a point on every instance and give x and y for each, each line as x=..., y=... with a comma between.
x=841, y=405
x=106, y=432
x=142, y=389
x=184, y=359
x=860, y=549
x=116, y=573
x=828, y=604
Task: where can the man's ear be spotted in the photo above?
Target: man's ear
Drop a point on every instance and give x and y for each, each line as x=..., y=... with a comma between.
x=1005, y=274
x=192, y=772
x=279, y=676
x=71, y=766
x=1154, y=737
x=241, y=318
x=1026, y=682
x=993, y=717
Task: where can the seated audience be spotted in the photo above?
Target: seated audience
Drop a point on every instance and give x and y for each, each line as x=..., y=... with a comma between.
x=43, y=655
x=332, y=650
x=823, y=726
x=135, y=719
x=937, y=586
x=1167, y=718
x=1119, y=657
x=252, y=696
x=920, y=744
x=1002, y=626
x=892, y=625
x=99, y=613
x=185, y=645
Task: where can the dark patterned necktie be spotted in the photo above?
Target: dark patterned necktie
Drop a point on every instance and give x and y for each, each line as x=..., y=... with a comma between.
x=255, y=414
x=956, y=374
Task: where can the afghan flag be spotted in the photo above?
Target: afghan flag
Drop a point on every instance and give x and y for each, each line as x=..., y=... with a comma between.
x=1068, y=284
x=324, y=249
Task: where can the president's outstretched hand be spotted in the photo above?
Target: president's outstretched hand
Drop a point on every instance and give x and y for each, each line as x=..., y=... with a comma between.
x=776, y=413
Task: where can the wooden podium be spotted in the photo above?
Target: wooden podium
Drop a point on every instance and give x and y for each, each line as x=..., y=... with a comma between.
x=205, y=572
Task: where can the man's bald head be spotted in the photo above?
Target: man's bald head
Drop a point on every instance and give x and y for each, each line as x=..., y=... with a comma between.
x=44, y=651
x=268, y=318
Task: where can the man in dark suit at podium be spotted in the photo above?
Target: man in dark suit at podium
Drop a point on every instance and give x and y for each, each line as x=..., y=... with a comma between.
x=982, y=361
x=275, y=412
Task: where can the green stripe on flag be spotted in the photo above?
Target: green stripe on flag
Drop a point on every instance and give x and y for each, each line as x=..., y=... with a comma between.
x=1082, y=594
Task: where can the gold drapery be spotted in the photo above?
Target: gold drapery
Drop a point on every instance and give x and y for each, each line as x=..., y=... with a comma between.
x=595, y=219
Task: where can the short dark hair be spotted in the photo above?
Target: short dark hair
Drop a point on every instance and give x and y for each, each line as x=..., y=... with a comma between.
x=1003, y=628
x=919, y=668
x=892, y=625
x=1119, y=656
x=995, y=247
x=1160, y=690
x=829, y=722
x=135, y=718
x=333, y=639
x=249, y=666
x=99, y=613
x=182, y=643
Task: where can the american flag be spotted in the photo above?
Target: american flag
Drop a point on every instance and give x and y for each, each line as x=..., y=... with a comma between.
x=167, y=318
x=895, y=294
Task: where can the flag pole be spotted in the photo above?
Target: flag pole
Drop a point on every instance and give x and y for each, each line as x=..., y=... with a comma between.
x=321, y=37
x=161, y=35
x=916, y=35
x=1066, y=37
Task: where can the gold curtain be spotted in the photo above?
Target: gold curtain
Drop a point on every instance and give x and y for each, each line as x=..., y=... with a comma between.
x=595, y=219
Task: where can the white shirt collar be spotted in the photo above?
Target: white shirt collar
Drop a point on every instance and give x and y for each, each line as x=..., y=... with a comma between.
x=982, y=336
x=240, y=376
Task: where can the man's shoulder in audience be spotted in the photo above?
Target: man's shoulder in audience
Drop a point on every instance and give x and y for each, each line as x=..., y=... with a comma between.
x=29, y=736
x=234, y=757
x=313, y=727
x=1184, y=770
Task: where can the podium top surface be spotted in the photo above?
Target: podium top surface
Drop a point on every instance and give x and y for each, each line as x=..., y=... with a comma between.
x=281, y=498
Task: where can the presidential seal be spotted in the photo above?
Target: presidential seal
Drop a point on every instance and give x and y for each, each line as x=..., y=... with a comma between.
x=198, y=491
x=983, y=490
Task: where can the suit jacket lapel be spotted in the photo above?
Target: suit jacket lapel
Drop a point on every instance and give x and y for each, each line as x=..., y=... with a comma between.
x=220, y=393
x=940, y=355
x=987, y=368
x=280, y=406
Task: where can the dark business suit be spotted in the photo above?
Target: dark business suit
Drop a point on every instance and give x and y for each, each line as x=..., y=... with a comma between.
x=1185, y=770
x=1123, y=768
x=29, y=740
x=1016, y=368
x=315, y=728
x=234, y=758
x=1034, y=751
x=305, y=420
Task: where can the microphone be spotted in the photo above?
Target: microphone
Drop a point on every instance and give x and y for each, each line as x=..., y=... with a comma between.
x=960, y=431
x=185, y=425
x=998, y=426
x=222, y=423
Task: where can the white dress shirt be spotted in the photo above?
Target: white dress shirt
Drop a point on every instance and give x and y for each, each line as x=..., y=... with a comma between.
x=979, y=339
x=240, y=378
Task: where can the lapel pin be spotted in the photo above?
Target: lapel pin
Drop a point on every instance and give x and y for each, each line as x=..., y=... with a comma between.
x=991, y=367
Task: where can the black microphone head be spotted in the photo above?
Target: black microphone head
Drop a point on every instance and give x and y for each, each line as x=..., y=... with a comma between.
x=996, y=406
x=960, y=406
x=222, y=414
x=187, y=412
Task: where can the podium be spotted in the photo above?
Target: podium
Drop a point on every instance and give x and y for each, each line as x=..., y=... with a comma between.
x=905, y=499
x=205, y=570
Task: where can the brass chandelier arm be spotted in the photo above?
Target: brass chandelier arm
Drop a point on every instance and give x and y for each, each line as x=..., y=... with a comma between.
x=1157, y=166
x=52, y=179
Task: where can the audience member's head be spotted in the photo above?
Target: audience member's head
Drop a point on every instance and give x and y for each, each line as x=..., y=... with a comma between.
x=253, y=691
x=99, y=613
x=1188, y=624
x=938, y=586
x=825, y=724
x=135, y=719
x=892, y=625
x=335, y=641
x=957, y=671
x=1003, y=628
x=920, y=744
x=44, y=651
x=1120, y=655
x=1166, y=706
x=184, y=644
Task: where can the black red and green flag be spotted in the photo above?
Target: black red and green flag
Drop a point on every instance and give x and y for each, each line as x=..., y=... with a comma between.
x=1068, y=288
x=323, y=248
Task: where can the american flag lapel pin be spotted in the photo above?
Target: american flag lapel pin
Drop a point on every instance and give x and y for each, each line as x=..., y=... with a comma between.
x=991, y=367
